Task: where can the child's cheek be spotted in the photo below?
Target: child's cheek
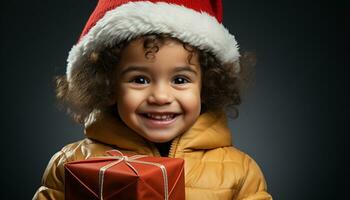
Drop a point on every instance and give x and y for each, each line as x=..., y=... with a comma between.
x=129, y=98
x=191, y=100
x=134, y=93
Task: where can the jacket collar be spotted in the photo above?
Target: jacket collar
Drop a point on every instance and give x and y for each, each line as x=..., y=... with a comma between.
x=208, y=132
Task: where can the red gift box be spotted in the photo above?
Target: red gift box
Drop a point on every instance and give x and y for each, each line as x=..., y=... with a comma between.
x=125, y=177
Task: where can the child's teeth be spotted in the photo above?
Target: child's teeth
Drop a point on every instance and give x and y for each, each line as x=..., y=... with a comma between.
x=160, y=117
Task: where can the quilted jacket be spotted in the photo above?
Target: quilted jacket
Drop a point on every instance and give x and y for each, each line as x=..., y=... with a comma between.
x=214, y=169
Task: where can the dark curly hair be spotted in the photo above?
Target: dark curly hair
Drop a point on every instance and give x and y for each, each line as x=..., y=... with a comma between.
x=91, y=86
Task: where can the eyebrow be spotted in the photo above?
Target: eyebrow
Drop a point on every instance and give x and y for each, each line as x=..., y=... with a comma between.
x=146, y=69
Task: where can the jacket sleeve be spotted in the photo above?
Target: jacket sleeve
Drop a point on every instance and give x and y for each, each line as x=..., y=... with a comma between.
x=52, y=185
x=253, y=186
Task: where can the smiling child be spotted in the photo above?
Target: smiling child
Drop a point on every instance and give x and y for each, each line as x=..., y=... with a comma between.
x=157, y=78
x=158, y=98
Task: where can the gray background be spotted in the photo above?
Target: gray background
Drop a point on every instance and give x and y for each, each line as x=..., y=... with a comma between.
x=290, y=122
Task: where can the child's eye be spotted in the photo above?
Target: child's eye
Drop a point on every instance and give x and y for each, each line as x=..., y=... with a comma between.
x=140, y=80
x=181, y=80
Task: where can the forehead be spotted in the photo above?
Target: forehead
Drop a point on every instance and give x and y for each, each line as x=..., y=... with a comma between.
x=170, y=53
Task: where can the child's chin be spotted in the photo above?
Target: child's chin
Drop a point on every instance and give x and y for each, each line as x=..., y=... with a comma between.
x=159, y=139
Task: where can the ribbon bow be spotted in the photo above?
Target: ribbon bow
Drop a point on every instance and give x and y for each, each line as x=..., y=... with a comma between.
x=127, y=160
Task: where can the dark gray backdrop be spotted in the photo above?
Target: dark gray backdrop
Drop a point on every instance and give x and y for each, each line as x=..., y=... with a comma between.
x=290, y=123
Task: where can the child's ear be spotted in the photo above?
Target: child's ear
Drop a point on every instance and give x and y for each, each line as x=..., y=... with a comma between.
x=111, y=102
x=112, y=99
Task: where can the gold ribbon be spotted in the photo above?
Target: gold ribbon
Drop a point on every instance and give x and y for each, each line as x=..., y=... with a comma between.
x=128, y=160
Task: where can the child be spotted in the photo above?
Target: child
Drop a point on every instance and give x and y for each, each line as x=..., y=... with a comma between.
x=154, y=78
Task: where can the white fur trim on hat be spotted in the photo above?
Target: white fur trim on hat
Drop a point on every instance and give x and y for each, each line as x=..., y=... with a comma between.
x=136, y=18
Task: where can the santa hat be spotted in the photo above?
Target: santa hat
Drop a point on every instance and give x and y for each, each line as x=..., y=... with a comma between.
x=197, y=22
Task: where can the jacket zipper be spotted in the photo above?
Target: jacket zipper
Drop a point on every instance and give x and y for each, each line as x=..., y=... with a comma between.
x=173, y=147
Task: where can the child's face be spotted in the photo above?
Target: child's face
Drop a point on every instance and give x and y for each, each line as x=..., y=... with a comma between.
x=158, y=98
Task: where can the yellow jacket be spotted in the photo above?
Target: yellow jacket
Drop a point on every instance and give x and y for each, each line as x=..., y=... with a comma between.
x=214, y=169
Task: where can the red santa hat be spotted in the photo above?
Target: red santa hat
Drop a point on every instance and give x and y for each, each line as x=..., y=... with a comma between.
x=197, y=22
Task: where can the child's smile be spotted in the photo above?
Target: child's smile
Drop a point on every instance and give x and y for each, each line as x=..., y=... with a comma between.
x=159, y=120
x=158, y=98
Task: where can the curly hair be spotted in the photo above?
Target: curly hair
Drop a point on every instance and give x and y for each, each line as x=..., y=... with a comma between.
x=91, y=86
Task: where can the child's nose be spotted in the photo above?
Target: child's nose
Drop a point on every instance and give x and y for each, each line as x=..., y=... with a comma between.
x=160, y=95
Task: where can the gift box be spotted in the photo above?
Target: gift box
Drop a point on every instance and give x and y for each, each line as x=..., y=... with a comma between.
x=126, y=176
